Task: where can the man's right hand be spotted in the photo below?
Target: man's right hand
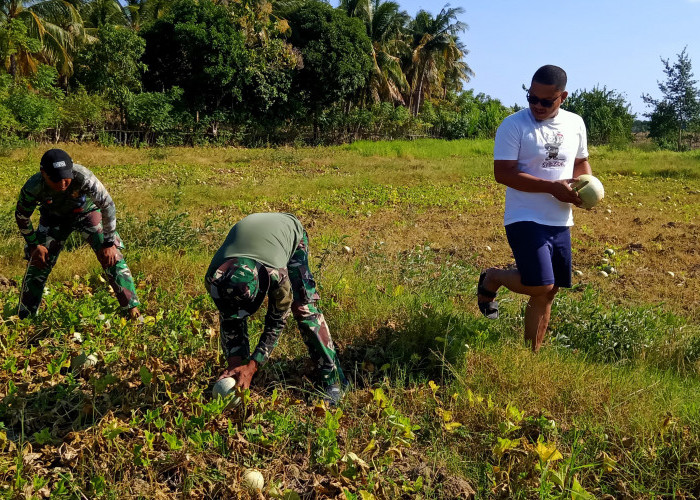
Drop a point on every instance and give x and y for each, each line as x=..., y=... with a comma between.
x=39, y=256
x=233, y=362
x=243, y=374
x=563, y=192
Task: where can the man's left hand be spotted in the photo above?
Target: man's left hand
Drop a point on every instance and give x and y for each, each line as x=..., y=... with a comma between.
x=563, y=192
x=109, y=256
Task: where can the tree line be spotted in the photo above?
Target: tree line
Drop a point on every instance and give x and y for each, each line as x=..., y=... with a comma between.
x=249, y=72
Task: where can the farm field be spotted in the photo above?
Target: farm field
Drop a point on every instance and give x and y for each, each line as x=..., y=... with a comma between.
x=444, y=403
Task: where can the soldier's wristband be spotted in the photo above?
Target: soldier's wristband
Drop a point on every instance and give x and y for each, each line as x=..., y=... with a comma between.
x=107, y=244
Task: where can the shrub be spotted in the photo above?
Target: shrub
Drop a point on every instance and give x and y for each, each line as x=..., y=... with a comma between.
x=465, y=116
x=606, y=114
x=33, y=112
x=154, y=111
x=81, y=111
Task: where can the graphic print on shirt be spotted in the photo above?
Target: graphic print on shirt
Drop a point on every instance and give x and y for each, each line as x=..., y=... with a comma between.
x=553, y=142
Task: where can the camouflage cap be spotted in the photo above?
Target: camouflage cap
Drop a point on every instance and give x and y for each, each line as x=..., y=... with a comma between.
x=239, y=286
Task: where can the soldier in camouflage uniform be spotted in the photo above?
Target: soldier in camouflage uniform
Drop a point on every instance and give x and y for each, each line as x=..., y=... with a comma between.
x=268, y=254
x=70, y=198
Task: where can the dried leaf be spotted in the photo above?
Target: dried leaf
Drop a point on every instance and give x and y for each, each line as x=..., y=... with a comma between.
x=370, y=446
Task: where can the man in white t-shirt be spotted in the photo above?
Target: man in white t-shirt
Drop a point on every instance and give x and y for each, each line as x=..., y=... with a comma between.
x=539, y=152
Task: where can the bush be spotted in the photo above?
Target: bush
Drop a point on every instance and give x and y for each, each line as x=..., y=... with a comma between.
x=33, y=112
x=33, y=103
x=606, y=114
x=162, y=230
x=465, y=116
x=81, y=111
x=154, y=111
x=8, y=123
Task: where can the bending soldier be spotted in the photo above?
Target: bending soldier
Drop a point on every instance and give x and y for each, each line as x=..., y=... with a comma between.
x=268, y=254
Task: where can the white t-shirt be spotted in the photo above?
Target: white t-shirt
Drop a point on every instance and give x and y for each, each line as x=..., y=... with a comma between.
x=545, y=149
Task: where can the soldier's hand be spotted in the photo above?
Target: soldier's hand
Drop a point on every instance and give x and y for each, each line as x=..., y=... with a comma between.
x=39, y=256
x=109, y=256
x=243, y=374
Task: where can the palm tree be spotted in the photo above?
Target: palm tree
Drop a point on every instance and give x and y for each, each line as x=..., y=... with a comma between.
x=385, y=24
x=436, y=56
x=103, y=12
x=143, y=12
x=56, y=25
x=282, y=8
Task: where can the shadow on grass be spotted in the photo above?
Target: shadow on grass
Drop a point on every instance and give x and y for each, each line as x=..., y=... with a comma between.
x=422, y=346
x=433, y=336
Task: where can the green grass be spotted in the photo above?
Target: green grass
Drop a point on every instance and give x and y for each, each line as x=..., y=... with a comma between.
x=424, y=148
x=443, y=400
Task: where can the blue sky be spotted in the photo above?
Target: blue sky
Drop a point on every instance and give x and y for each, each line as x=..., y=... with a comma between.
x=616, y=43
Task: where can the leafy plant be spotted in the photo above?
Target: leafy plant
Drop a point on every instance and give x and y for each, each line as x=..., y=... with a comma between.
x=327, y=451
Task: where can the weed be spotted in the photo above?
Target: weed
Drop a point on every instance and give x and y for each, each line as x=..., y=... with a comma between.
x=327, y=450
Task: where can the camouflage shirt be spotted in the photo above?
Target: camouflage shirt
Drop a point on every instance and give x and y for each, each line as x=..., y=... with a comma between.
x=85, y=194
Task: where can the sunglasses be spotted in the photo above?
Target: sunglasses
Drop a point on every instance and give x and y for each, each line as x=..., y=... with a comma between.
x=546, y=103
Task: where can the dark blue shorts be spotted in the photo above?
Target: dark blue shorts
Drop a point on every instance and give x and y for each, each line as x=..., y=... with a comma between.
x=542, y=253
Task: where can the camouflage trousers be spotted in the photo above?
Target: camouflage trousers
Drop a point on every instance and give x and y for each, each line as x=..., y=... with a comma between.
x=53, y=236
x=292, y=291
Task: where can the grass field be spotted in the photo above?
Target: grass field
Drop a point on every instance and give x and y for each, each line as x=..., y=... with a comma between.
x=444, y=404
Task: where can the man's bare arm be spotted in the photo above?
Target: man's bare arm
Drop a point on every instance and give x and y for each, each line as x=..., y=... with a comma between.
x=581, y=166
x=507, y=173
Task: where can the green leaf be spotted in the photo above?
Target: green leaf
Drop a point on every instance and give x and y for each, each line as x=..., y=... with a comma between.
x=173, y=442
x=113, y=429
x=503, y=445
x=557, y=477
x=474, y=399
x=578, y=492
x=433, y=387
x=100, y=384
x=146, y=375
x=507, y=427
x=512, y=413
x=43, y=436
x=149, y=439
x=139, y=458
x=380, y=398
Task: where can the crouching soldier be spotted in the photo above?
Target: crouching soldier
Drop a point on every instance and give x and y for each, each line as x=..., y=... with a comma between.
x=268, y=254
x=70, y=198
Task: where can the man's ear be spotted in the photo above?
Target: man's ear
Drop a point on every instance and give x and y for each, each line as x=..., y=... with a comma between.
x=564, y=95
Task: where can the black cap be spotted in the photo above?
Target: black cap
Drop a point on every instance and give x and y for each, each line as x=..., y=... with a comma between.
x=57, y=165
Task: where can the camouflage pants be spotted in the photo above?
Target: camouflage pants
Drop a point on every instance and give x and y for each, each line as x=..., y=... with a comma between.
x=292, y=291
x=53, y=236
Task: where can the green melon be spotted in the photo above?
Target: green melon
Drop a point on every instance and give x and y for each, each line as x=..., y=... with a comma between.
x=589, y=189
